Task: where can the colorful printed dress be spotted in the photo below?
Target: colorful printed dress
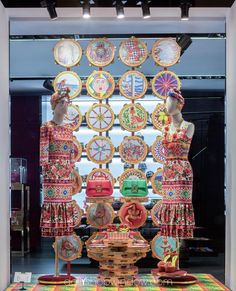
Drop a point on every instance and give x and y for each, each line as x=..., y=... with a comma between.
x=176, y=213
x=59, y=213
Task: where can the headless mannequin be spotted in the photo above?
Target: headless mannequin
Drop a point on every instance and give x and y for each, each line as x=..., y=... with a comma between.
x=173, y=108
x=60, y=111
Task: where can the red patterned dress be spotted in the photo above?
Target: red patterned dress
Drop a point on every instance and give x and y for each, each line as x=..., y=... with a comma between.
x=176, y=213
x=59, y=213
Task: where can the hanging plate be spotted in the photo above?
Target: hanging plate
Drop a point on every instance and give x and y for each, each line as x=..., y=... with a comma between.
x=73, y=117
x=159, y=116
x=161, y=244
x=156, y=181
x=100, y=215
x=133, y=214
x=155, y=213
x=158, y=150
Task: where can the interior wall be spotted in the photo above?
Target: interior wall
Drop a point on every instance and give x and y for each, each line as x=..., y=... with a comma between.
x=230, y=150
x=4, y=151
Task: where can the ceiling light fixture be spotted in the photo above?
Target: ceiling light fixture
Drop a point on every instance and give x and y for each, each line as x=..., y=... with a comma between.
x=51, y=8
x=184, y=6
x=145, y=9
x=120, y=9
x=86, y=9
x=184, y=41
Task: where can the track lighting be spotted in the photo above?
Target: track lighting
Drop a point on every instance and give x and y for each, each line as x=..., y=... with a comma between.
x=51, y=8
x=120, y=9
x=86, y=9
x=184, y=41
x=145, y=9
x=184, y=6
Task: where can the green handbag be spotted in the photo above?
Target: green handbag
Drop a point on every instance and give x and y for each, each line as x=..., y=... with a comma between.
x=135, y=188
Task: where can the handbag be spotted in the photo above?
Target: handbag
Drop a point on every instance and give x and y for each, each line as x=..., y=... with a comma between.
x=136, y=188
x=99, y=188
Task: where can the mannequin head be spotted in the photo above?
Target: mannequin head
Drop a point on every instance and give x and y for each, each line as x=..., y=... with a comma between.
x=174, y=102
x=60, y=101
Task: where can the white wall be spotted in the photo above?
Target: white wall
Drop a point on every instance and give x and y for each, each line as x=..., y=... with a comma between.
x=4, y=152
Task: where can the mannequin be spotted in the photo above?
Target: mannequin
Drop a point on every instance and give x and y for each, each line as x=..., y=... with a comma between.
x=176, y=212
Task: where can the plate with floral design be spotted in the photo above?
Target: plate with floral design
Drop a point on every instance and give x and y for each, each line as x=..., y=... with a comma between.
x=158, y=150
x=156, y=181
x=159, y=116
x=155, y=213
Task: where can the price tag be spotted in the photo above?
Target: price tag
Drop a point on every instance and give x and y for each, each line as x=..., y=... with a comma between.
x=22, y=277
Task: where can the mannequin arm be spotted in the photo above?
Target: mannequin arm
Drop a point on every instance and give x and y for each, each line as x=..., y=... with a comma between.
x=190, y=130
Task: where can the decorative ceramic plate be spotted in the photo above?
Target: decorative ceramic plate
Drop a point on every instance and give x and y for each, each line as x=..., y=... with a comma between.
x=77, y=184
x=100, y=52
x=133, y=117
x=158, y=150
x=73, y=117
x=99, y=215
x=133, y=85
x=68, y=79
x=101, y=174
x=69, y=247
x=161, y=244
x=131, y=174
x=133, y=52
x=159, y=116
x=156, y=181
x=100, y=117
x=67, y=53
x=133, y=214
x=155, y=213
x=100, y=150
x=163, y=82
x=133, y=149
x=77, y=212
x=78, y=149
x=100, y=85
x=166, y=52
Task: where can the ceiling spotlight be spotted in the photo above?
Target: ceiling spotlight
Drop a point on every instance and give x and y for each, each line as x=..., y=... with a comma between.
x=51, y=8
x=184, y=6
x=145, y=9
x=86, y=9
x=120, y=9
x=47, y=84
x=184, y=41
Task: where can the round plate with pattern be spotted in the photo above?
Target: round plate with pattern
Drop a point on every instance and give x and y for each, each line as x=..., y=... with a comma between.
x=155, y=213
x=159, y=116
x=69, y=247
x=166, y=52
x=99, y=215
x=100, y=52
x=78, y=212
x=161, y=244
x=133, y=85
x=100, y=85
x=101, y=174
x=73, y=117
x=67, y=53
x=100, y=117
x=131, y=174
x=78, y=149
x=133, y=149
x=133, y=52
x=158, y=150
x=77, y=183
x=163, y=82
x=68, y=79
x=156, y=181
x=100, y=150
x=133, y=214
x=133, y=117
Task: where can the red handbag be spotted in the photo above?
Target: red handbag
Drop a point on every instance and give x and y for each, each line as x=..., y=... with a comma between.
x=99, y=188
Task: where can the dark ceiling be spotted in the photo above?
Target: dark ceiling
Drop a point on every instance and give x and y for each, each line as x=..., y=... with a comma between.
x=127, y=3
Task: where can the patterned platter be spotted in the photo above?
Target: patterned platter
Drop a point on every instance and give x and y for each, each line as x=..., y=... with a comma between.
x=158, y=150
x=163, y=82
x=131, y=174
x=133, y=117
x=159, y=116
x=100, y=52
x=155, y=213
x=133, y=52
x=67, y=53
x=101, y=174
x=100, y=85
x=133, y=214
x=133, y=149
x=68, y=79
x=78, y=212
x=78, y=149
x=100, y=117
x=100, y=150
x=161, y=244
x=73, y=117
x=166, y=52
x=156, y=181
x=69, y=247
x=99, y=215
x=77, y=185
x=133, y=85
